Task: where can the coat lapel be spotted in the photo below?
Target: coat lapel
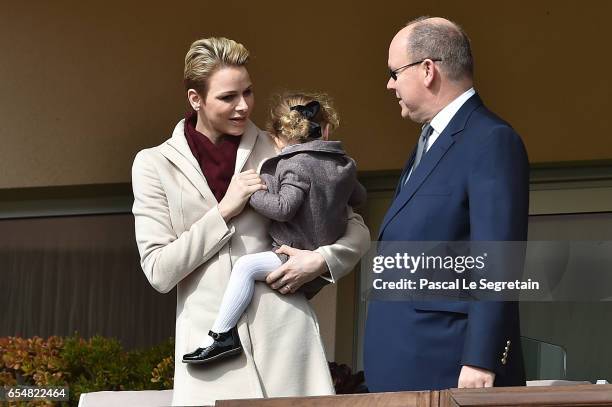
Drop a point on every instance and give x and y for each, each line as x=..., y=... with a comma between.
x=430, y=160
x=247, y=142
x=177, y=151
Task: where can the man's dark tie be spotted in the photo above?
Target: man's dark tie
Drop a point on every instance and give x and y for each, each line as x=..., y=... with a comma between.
x=421, y=150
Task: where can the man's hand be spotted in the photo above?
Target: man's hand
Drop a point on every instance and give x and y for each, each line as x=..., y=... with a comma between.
x=474, y=377
x=303, y=266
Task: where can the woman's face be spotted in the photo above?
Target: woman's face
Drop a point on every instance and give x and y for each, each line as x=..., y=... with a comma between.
x=228, y=103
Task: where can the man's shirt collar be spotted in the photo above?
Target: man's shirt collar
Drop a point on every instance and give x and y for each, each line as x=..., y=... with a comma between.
x=444, y=116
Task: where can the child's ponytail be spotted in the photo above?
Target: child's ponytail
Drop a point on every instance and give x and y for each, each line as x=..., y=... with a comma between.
x=300, y=116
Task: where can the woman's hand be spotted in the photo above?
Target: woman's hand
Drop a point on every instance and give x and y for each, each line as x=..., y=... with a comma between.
x=240, y=189
x=303, y=266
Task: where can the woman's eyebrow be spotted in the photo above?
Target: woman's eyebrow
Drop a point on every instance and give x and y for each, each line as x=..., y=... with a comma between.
x=234, y=92
x=227, y=93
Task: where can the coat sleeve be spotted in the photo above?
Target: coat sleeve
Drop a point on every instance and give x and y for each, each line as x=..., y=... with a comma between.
x=164, y=257
x=342, y=256
x=498, y=205
x=292, y=191
x=358, y=196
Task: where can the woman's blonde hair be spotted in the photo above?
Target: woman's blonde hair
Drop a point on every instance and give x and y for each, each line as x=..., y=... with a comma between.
x=291, y=124
x=207, y=55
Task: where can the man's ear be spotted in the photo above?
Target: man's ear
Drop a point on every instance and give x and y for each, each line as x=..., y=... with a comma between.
x=195, y=100
x=430, y=73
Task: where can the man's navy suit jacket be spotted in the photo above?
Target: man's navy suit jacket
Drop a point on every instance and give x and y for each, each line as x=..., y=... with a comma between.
x=471, y=185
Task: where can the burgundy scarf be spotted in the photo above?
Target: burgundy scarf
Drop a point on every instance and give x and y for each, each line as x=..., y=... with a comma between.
x=217, y=161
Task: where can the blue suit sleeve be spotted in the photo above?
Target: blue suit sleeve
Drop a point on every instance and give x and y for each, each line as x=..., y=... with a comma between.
x=498, y=190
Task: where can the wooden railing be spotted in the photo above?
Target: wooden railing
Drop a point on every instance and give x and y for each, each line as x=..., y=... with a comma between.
x=576, y=395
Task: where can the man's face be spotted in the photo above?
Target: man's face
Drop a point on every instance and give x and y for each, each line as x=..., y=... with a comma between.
x=408, y=86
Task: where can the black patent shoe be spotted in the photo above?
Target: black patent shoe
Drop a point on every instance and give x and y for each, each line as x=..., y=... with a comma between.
x=225, y=344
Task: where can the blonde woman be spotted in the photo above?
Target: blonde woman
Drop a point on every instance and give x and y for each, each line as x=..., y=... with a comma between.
x=192, y=224
x=310, y=183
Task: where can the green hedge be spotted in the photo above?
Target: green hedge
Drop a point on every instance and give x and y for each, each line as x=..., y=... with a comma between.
x=97, y=364
x=84, y=365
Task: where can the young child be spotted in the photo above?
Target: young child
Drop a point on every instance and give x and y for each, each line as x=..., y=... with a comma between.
x=310, y=183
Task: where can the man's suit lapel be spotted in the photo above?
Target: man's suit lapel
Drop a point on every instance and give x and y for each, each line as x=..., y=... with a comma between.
x=430, y=160
x=427, y=164
x=405, y=172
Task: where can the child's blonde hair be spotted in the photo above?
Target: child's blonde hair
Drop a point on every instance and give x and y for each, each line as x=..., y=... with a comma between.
x=291, y=125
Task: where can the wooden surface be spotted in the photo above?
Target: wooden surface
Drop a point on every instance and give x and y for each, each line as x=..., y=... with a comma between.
x=575, y=395
x=401, y=399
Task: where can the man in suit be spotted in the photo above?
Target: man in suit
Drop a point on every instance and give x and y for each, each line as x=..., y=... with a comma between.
x=467, y=180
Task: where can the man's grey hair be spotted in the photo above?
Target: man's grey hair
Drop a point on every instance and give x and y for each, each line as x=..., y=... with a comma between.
x=430, y=39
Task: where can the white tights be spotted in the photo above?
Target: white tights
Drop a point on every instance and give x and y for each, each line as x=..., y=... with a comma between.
x=248, y=269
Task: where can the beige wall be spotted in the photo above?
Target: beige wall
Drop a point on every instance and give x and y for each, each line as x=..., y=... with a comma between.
x=84, y=85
